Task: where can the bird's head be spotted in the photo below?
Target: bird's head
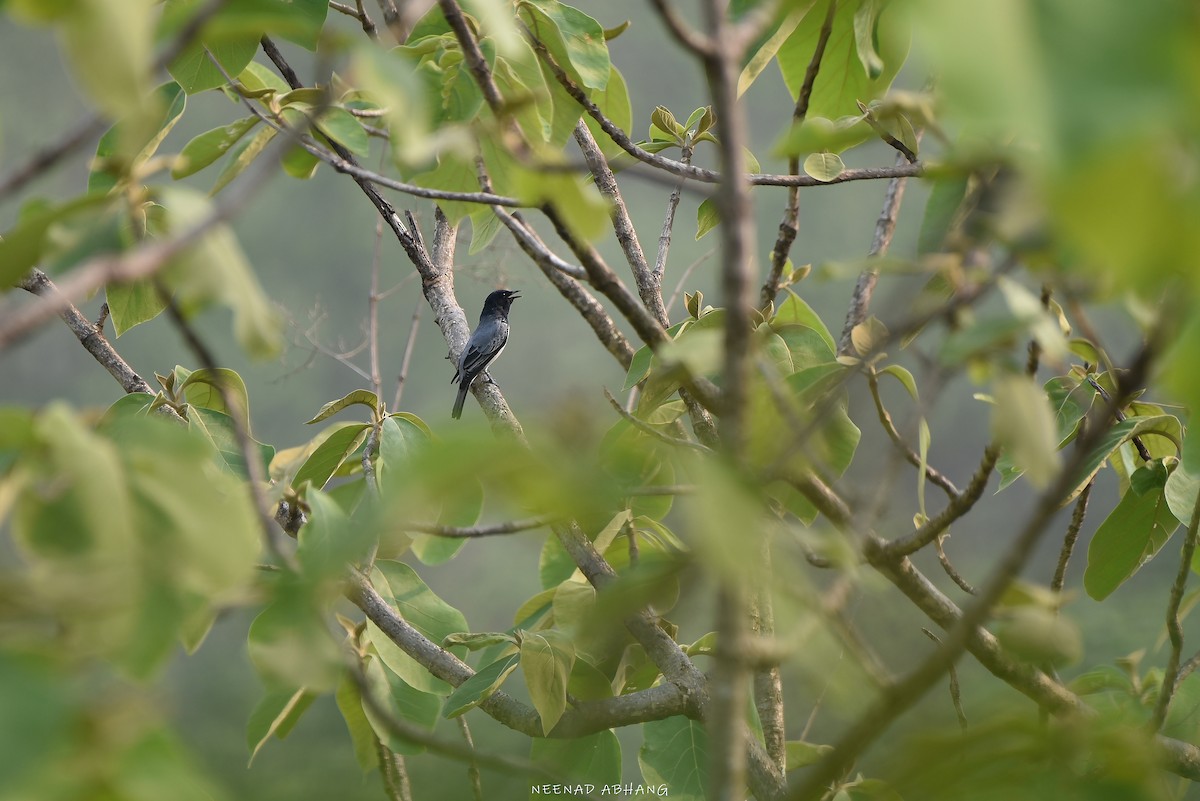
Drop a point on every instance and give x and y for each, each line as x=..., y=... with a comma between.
x=500, y=300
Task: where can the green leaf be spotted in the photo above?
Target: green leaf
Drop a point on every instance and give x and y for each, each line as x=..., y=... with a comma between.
x=404, y=702
x=865, y=21
x=241, y=156
x=800, y=754
x=330, y=454
x=575, y=40
x=639, y=367
x=613, y=100
x=674, y=752
x=1040, y=636
x=941, y=209
x=1128, y=538
x=133, y=140
x=767, y=51
x=592, y=760
x=364, y=397
x=216, y=269
x=109, y=45
x=480, y=687
x=218, y=429
x=794, y=311
x=476, y=641
x=23, y=245
x=816, y=134
x=275, y=716
x=400, y=440
x=842, y=81
x=824, y=166
x=208, y=386
x=904, y=377
x=546, y=661
x=193, y=69
x=424, y=611
x=1161, y=425
x=209, y=146
x=329, y=542
x=290, y=645
x=350, y=704
x=342, y=127
x=132, y=303
x=1023, y=424
x=707, y=217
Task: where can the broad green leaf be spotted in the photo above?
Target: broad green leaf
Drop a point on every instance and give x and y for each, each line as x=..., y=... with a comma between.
x=400, y=441
x=639, y=367
x=1162, y=425
x=241, y=156
x=1040, y=636
x=132, y=303
x=707, y=217
x=575, y=40
x=794, y=311
x=480, y=687
x=290, y=645
x=674, y=752
x=800, y=753
x=824, y=166
x=767, y=51
x=1070, y=400
x=364, y=397
x=806, y=346
x=211, y=387
x=1129, y=537
x=842, y=81
x=330, y=454
x=216, y=269
x=904, y=377
x=1182, y=491
x=39, y=703
x=209, y=146
x=350, y=704
x=424, y=611
x=592, y=760
x=301, y=21
x=1023, y=424
x=342, y=127
x=196, y=73
x=218, y=429
x=613, y=100
x=109, y=45
x=404, y=702
x=275, y=716
x=461, y=507
x=546, y=661
x=133, y=140
x=941, y=209
x=23, y=245
x=485, y=225
x=329, y=541
x=475, y=641
x=818, y=134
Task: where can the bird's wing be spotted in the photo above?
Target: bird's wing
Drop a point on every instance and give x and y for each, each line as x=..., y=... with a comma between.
x=481, y=351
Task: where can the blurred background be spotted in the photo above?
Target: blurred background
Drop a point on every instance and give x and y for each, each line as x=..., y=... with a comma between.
x=312, y=245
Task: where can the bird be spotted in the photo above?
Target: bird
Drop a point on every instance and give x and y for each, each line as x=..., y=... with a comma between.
x=486, y=342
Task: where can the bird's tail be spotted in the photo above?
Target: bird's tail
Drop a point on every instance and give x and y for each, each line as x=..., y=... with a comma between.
x=460, y=400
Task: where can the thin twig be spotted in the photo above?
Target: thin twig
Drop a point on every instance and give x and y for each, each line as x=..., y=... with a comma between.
x=789, y=225
x=471, y=532
x=409, y=346
x=472, y=766
x=649, y=287
x=664, y=237
x=885, y=419
x=864, y=288
x=643, y=426
x=1068, y=546
x=684, y=277
x=687, y=36
x=1174, y=626
x=955, y=694
x=948, y=567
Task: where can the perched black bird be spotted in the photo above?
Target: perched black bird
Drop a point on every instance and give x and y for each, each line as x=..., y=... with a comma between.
x=485, y=344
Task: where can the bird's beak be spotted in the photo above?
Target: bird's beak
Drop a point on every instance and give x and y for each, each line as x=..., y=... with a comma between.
x=514, y=296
